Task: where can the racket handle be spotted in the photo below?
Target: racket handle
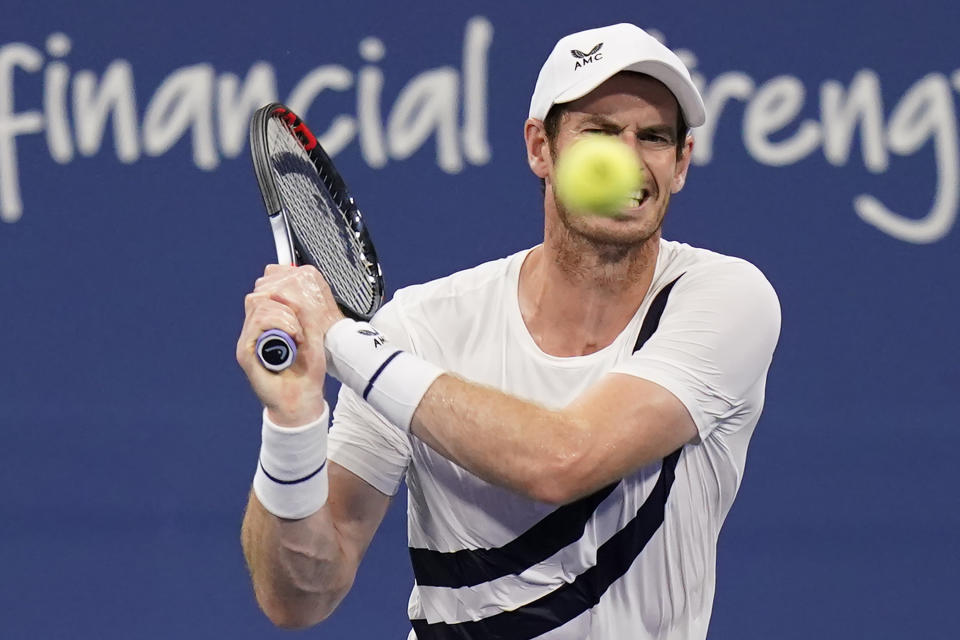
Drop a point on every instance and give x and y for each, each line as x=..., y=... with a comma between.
x=276, y=350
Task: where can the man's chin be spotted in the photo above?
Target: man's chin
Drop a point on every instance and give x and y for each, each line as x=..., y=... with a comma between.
x=617, y=231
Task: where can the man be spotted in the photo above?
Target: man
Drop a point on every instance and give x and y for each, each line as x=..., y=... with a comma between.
x=572, y=421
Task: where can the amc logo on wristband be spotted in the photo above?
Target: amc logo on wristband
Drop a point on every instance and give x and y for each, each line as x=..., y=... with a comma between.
x=378, y=340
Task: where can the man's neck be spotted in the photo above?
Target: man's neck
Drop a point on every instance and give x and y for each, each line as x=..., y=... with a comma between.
x=576, y=300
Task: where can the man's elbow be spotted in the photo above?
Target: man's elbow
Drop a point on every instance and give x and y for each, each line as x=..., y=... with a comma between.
x=560, y=480
x=296, y=613
x=551, y=493
x=289, y=619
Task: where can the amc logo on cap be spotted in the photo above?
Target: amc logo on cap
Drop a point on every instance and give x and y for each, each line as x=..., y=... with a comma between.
x=593, y=55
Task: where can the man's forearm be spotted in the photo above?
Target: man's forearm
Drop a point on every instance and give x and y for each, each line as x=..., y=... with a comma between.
x=504, y=440
x=551, y=455
x=613, y=428
x=299, y=570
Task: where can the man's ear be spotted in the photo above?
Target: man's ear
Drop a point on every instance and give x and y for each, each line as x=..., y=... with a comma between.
x=683, y=165
x=538, y=147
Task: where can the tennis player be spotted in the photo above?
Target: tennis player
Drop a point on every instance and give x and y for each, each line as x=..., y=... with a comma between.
x=572, y=421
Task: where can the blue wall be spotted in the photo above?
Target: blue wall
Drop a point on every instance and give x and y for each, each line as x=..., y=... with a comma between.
x=129, y=436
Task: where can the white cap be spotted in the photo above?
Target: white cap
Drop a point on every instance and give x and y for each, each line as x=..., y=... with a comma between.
x=582, y=61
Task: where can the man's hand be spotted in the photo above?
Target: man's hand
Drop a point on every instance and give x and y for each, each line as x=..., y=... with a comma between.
x=298, y=301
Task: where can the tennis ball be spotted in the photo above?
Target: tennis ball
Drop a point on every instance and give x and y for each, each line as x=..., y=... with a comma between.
x=598, y=174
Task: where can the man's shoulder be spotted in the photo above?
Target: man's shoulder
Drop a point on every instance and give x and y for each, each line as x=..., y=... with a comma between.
x=704, y=264
x=683, y=255
x=733, y=286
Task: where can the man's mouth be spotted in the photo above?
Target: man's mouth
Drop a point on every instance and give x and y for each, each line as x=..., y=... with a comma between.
x=638, y=198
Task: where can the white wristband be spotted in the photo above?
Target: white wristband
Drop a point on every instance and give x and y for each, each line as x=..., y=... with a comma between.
x=391, y=380
x=291, y=478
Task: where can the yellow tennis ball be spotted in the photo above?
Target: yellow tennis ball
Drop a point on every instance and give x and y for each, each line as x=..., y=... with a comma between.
x=598, y=174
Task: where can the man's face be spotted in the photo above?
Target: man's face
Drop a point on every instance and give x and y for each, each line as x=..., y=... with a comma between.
x=641, y=112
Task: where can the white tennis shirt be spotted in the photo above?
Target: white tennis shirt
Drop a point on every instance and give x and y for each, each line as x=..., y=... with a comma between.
x=634, y=560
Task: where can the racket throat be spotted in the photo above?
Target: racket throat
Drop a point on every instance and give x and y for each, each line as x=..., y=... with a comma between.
x=282, y=239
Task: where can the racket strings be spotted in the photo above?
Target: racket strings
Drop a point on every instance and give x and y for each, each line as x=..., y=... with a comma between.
x=317, y=214
x=328, y=183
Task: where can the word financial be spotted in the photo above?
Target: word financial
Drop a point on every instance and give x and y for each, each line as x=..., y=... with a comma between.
x=215, y=109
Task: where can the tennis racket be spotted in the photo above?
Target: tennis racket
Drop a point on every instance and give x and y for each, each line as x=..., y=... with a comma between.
x=314, y=221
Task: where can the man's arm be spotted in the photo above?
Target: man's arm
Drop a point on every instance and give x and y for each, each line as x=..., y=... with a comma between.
x=718, y=345
x=302, y=569
x=704, y=368
x=618, y=426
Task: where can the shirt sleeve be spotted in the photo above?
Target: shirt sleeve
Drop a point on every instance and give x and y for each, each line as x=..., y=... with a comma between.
x=361, y=440
x=714, y=344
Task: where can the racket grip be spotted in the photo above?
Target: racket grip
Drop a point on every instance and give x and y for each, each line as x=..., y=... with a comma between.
x=276, y=350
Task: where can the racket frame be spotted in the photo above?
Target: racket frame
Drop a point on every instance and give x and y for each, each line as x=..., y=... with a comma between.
x=283, y=237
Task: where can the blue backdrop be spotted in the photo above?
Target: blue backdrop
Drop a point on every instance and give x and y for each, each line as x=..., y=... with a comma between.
x=132, y=227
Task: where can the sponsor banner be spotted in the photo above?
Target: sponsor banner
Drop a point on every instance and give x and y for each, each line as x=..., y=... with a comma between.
x=131, y=228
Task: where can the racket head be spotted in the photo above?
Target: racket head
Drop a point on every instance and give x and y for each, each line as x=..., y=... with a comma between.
x=314, y=219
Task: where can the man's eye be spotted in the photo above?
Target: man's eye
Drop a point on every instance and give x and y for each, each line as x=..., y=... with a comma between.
x=656, y=138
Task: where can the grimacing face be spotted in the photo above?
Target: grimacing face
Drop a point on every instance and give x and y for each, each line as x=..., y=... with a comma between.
x=643, y=113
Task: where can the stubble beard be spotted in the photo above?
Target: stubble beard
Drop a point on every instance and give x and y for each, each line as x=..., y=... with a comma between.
x=583, y=247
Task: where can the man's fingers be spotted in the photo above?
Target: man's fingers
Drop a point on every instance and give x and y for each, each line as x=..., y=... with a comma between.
x=304, y=291
x=251, y=300
x=271, y=269
x=305, y=278
x=254, y=300
x=263, y=314
x=274, y=278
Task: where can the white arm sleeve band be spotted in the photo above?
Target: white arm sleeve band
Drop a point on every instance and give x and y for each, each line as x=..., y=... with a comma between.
x=392, y=381
x=291, y=478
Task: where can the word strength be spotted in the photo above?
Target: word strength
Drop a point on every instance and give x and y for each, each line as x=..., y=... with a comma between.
x=923, y=120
